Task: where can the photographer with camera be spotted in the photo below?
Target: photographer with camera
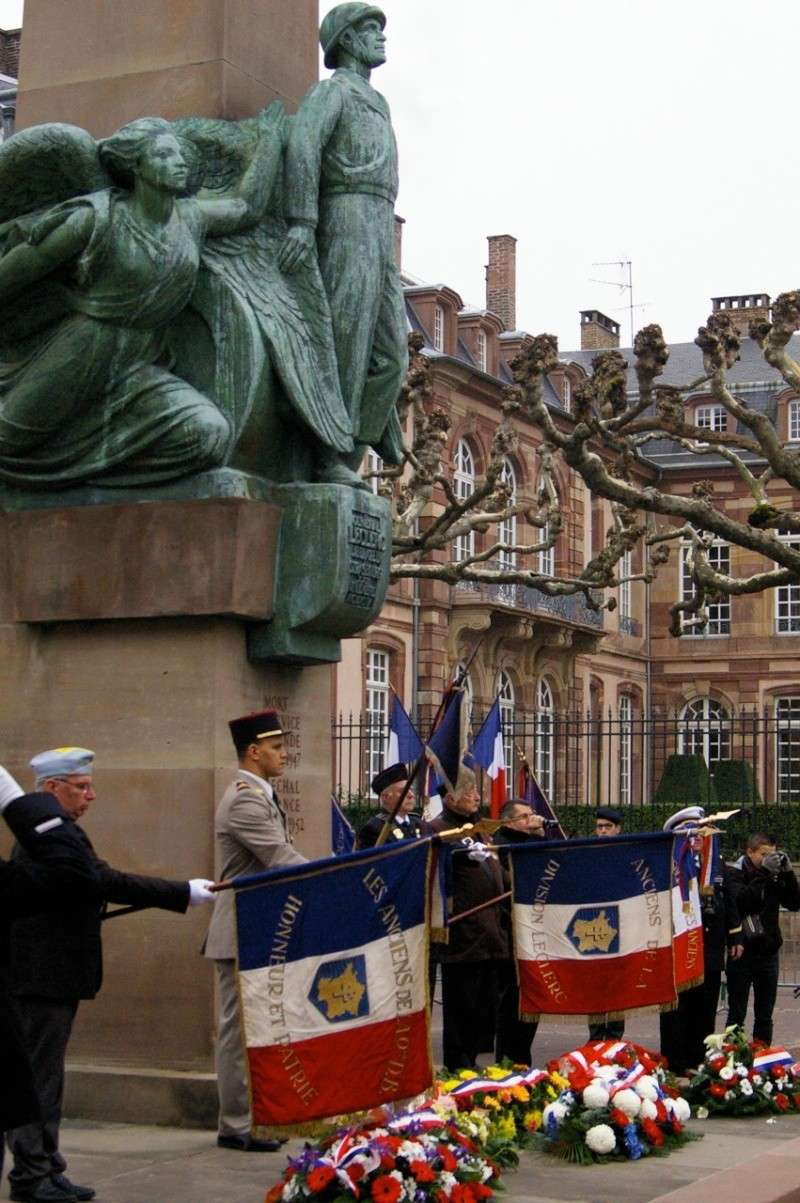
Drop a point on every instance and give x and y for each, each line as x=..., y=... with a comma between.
x=761, y=882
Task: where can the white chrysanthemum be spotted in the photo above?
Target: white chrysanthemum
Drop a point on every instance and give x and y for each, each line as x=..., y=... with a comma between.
x=681, y=1110
x=595, y=1095
x=729, y=1094
x=607, y=1073
x=646, y=1087
x=742, y=1071
x=558, y=1110
x=669, y=1104
x=411, y=1150
x=628, y=1101
x=702, y=1112
x=768, y=1087
x=745, y=1087
x=649, y=1109
x=447, y=1181
x=727, y=1072
x=757, y=1079
x=601, y=1139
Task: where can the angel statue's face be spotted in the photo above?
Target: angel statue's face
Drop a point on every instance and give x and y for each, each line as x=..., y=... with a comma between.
x=163, y=165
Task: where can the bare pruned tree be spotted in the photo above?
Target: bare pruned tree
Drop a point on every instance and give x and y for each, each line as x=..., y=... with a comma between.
x=606, y=446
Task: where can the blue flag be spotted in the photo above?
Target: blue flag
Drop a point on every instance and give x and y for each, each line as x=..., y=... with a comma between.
x=447, y=745
x=343, y=837
x=405, y=744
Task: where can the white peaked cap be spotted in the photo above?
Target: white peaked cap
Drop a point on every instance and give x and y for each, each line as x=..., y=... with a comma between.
x=9, y=789
x=689, y=815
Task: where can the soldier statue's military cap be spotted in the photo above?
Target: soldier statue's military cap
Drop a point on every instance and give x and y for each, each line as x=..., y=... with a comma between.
x=251, y=727
x=62, y=762
x=389, y=776
x=343, y=17
x=609, y=814
x=9, y=789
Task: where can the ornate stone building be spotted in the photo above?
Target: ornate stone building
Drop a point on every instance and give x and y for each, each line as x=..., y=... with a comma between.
x=9, y=69
x=596, y=701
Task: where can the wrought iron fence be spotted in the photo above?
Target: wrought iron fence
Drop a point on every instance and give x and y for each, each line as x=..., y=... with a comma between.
x=592, y=759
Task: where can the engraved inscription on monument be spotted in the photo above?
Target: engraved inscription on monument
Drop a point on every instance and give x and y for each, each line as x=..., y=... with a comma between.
x=367, y=540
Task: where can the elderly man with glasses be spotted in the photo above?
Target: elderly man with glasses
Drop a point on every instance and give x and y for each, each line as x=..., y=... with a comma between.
x=55, y=962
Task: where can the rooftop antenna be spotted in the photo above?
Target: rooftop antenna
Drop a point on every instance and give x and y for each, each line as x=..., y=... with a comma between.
x=625, y=266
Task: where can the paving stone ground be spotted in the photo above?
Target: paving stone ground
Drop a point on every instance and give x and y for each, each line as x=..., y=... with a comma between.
x=738, y=1161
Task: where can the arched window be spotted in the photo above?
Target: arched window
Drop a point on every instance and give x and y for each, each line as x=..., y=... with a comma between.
x=544, y=758
x=547, y=558
x=463, y=485
x=507, y=698
x=705, y=731
x=508, y=529
x=625, y=714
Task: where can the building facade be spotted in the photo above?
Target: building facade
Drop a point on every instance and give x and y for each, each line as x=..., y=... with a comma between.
x=595, y=701
x=9, y=70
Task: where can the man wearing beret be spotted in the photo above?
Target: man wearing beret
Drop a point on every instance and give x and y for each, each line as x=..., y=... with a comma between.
x=389, y=785
x=56, y=961
x=607, y=824
x=251, y=834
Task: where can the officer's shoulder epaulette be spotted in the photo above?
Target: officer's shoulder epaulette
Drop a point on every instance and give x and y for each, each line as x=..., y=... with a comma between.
x=243, y=785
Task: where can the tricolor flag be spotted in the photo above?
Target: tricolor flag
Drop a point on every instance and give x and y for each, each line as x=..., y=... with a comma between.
x=769, y=1058
x=343, y=837
x=448, y=743
x=405, y=745
x=687, y=917
x=487, y=748
x=530, y=789
x=333, y=972
x=593, y=924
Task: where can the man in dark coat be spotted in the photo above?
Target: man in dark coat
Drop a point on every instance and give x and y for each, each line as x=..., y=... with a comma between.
x=55, y=962
x=59, y=871
x=478, y=948
x=761, y=882
x=514, y=1036
x=683, y=1031
x=389, y=785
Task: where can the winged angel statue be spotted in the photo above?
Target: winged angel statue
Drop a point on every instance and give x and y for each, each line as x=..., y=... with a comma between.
x=146, y=330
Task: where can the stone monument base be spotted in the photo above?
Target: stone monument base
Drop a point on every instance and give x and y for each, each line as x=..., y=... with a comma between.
x=118, y=634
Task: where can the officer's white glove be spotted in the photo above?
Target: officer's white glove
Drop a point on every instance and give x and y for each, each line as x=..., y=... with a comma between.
x=776, y=862
x=200, y=891
x=477, y=852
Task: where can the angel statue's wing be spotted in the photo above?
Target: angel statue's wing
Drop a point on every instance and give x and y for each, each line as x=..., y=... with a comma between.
x=45, y=165
x=218, y=152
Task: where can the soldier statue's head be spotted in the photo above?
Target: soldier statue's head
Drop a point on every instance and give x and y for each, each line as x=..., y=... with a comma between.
x=353, y=33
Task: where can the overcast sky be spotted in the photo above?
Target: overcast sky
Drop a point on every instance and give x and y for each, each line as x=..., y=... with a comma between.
x=662, y=132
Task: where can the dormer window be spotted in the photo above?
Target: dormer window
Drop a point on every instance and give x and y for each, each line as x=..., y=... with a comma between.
x=711, y=417
x=483, y=351
x=438, y=328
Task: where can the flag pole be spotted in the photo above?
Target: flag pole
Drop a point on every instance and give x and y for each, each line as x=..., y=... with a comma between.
x=456, y=684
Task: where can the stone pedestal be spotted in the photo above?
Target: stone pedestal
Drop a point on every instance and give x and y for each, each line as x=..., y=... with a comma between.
x=100, y=63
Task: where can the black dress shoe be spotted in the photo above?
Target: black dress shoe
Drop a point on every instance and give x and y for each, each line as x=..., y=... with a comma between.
x=44, y=1192
x=82, y=1193
x=249, y=1144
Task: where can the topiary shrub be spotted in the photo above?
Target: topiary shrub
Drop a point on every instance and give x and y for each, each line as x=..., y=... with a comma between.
x=686, y=782
x=735, y=784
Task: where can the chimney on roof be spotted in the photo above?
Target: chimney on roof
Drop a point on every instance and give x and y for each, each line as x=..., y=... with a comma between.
x=598, y=332
x=399, y=222
x=742, y=310
x=9, y=52
x=501, y=278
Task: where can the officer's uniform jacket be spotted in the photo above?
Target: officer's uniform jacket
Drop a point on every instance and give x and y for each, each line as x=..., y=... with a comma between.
x=250, y=835
x=400, y=829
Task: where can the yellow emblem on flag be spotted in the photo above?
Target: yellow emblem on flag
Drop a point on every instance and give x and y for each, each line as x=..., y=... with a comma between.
x=595, y=934
x=342, y=995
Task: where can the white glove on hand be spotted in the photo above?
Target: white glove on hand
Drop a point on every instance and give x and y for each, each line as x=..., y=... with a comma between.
x=477, y=852
x=200, y=891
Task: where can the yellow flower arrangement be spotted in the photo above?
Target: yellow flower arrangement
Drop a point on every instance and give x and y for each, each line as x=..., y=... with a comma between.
x=467, y=1075
x=559, y=1080
x=496, y=1072
x=532, y=1120
x=520, y=1094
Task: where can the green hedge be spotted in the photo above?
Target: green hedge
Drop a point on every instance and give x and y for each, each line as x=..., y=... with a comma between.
x=686, y=782
x=735, y=784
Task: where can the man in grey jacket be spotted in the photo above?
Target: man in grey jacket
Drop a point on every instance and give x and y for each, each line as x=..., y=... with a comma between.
x=251, y=835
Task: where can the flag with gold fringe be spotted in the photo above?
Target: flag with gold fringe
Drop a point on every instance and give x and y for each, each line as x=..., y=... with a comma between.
x=333, y=970
x=593, y=924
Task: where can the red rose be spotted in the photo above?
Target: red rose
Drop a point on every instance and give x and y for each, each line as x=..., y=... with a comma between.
x=422, y=1171
x=320, y=1177
x=449, y=1162
x=717, y=1062
x=717, y=1090
x=781, y=1102
x=386, y=1189
x=777, y=1071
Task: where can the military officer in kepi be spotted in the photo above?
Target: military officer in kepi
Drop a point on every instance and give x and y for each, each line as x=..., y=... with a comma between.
x=389, y=785
x=251, y=834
